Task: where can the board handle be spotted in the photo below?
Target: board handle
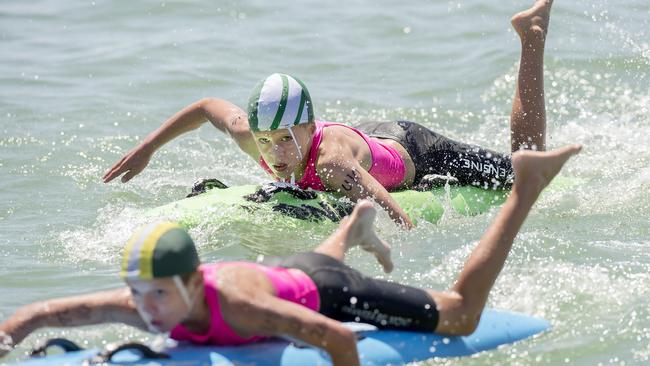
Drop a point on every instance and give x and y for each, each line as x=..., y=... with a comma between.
x=66, y=345
x=143, y=350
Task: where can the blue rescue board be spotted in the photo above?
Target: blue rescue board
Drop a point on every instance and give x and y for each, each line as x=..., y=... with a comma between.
x=376, y=347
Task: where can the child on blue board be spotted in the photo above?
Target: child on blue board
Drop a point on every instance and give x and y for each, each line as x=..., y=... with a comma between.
x=281, y=133
x=304, y=297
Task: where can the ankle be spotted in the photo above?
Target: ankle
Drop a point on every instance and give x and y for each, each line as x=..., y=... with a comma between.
x=533, y=43
x=530, y=187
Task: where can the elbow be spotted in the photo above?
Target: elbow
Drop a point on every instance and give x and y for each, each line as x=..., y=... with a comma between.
x=205, y=105
x=344, y=350
x=342, y=338
x=225, y=116
x=32, y=312
x=38, y=315
x=203, y=102
x=208, y=105
x=349, y=337
x=212, y=104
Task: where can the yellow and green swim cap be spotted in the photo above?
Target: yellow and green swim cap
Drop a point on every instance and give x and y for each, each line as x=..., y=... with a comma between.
x=160, y=249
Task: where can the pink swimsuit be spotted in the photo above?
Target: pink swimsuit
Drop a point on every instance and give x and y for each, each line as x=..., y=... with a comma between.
x=290, y=284
x=387, y=166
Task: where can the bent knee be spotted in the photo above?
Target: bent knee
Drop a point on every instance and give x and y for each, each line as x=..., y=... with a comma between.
x=467, y=325
x=462, y=324
x=455, y=317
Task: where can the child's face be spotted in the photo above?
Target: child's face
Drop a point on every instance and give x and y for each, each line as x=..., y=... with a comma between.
x=279, y=149
x=159, y=302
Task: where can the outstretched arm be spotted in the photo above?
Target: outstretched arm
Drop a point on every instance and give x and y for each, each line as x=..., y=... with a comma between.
x=115, y=306
x=349, y=178
x=224, y=115
x=265, y=314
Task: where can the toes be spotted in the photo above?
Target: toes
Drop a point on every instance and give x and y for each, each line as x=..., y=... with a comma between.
x=570, y=149
x=576, y=148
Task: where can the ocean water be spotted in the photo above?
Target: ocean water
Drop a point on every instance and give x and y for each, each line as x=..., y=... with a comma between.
x=82, y=82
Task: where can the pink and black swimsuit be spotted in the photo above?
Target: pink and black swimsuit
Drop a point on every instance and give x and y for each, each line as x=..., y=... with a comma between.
x=432, y=154
x=325, y=285
x=290, y=284
x=387, y=166
x=436, y=155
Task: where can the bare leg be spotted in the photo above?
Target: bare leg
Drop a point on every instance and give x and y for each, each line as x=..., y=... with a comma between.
x=357, y=229
x=528, y=117
x=461, y=307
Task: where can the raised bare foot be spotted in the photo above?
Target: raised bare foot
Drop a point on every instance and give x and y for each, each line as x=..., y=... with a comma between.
x=534, y=170
x=363, y=234
x=532, y=24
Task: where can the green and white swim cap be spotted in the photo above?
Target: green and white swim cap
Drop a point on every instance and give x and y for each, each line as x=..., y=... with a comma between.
x=279, y=101
x=161, y=249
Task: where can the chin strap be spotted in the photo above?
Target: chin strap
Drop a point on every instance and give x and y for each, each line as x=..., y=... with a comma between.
x=147, y=321
x=183, y=290
x=295, y=142
x=186, y=299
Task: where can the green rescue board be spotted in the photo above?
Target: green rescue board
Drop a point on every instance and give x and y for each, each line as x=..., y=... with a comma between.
x=285, y=205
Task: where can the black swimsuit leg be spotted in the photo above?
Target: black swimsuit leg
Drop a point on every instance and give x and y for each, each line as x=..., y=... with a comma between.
x=433, y=153
x=348, y=295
